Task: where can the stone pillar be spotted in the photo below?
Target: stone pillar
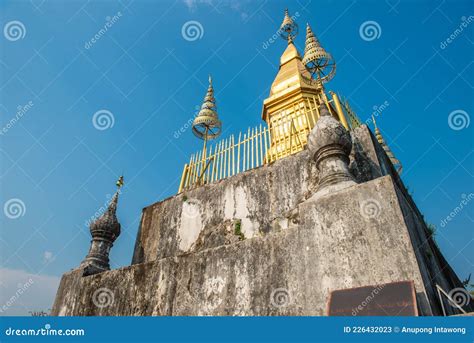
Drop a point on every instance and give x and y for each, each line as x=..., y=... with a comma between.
x=104, y=231
x=330, y=145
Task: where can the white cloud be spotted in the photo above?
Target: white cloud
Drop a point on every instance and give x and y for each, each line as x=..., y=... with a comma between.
x=234, y=5
x=192, y=4
x=21, y=292
x=48, y=257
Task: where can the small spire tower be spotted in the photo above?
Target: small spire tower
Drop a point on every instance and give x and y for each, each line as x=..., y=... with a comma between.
x=318, y=61
x=330, y=145
x=396, y=163
x=104, y=231
x=207, y=125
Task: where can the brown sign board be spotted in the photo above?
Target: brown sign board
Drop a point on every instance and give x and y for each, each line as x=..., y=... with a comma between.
x=389, y=299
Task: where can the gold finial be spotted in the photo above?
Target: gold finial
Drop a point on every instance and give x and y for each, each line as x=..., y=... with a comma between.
x=319, y=63
x=288, y=28
x=207, y=125
x=119, y=182
x=375, y=123
x=377, y=132
x=378, y=135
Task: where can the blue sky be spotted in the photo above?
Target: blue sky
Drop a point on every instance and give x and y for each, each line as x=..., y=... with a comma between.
x=150, y=79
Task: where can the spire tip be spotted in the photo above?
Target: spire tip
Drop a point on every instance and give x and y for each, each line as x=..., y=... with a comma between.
x=288, y=28
x=119, y=182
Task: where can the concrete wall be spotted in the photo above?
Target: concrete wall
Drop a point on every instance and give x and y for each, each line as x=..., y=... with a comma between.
x=330, y=244
x=294, y=249
x=181, y=224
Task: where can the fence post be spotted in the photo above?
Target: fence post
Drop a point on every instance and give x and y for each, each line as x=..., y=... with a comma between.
x=244, y=154
x=238, y=153
x=183, y=177
x=340, y=113
x=221, y=164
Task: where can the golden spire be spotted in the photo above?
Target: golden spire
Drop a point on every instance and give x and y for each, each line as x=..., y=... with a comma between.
x=286, y=19
x=292, y=72
x=319, y=63
x=312, y=41
x=288, y=28
x=396, y=163
x=207, y=125
x=292, y=80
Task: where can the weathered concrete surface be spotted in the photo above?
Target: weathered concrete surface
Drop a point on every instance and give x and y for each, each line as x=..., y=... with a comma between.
x=259, y=243
x=255, y=198
x=322, y=249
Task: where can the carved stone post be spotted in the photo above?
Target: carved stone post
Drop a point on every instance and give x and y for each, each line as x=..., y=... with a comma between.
x=330, y=145
x=104, y=231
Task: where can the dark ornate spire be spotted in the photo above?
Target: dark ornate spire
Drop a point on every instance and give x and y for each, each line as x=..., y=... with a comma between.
x=104, y=231
x=330, y=145
x=108, y=223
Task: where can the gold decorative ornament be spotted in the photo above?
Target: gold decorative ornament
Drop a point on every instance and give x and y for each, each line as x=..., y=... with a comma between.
x=207, y=125
x=318, y=61
x=288, y=29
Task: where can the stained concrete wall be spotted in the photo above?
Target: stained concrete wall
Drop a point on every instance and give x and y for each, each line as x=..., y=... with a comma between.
x=182, y=223
x=189, y=261
x=330, y=244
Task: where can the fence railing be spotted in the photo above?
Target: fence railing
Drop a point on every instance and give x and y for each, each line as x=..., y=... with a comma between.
x=235, y=155
x=286, y=135
x=354, y=120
